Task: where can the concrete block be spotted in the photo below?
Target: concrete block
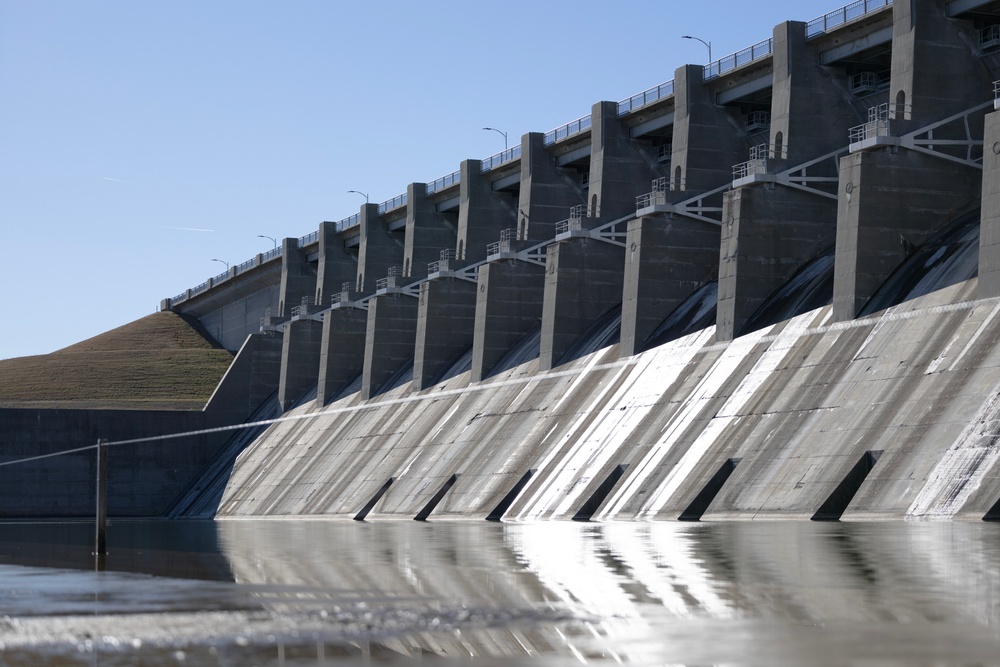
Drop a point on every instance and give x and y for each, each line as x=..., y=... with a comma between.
x=890, y=202
x=389, y=341
x=300, y=352
x=770, y=232
x=508, y=307
x=583, y=280
x=342, y=351
x=446, y=324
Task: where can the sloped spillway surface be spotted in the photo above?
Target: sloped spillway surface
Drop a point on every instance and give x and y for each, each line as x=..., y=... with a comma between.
x=949, y=258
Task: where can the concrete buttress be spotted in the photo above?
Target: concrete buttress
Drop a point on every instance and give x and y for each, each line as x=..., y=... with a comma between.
x=390, y=338
x=508, y=307
x=583, y=280
x=342, y=351
x=666, y=260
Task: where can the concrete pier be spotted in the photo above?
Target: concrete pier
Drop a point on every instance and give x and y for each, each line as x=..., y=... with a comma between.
x=547, y=192
x=936, y=70
x=989, y=234
x=802, y=90
x=300, y=352
x=583, y=280
x=482, y=214
x=666, y=259
x=379, y=250
x=707, y=141
x=342, y=351
x=336, y=265
x=446, y=322
x=427, y=233
x=619, y=170
x=769, y=233
x=508, y=307
x=298, y=279
x=891, y=202
x=252, y=377
x=389, y=341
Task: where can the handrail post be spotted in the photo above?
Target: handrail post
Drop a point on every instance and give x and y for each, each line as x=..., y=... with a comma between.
x=101, y=523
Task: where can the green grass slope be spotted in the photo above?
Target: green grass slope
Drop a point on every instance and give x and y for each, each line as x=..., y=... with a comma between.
x=159, y=362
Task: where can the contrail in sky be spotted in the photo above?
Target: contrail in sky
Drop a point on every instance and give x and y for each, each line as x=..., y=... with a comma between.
x=116, y=180
x=190, y=229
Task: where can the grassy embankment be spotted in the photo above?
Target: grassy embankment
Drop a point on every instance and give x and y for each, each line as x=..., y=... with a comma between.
x=159, y=362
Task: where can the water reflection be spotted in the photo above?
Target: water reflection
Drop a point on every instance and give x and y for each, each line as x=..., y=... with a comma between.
x=306, y=593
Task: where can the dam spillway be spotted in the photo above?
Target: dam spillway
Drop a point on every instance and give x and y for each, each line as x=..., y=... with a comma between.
x=797, y=404
x=863, y=134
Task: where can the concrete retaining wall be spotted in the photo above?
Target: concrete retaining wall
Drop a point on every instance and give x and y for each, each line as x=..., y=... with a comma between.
x=143, y=479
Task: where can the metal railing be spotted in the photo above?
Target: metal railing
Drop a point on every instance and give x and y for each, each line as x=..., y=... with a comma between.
x=567, y=130
x=444, y=263
x=270, y=254
x=444, y=182
x=344, y=296
x=309, y=239
x=758, y=120
x=757, y=164
x=989, y=37
x=877, y=125
x=347, y=223
x=246, y=266
x=866, y=82
x=391, y=280
x=646, y=97
x=658, y=195
x=739, y=59
x=398, y=201
x=303, y=308
x=839, y=17
x=494, y=161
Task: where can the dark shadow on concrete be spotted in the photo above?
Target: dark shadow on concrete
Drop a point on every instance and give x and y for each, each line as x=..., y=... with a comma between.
x=521, y=352
x=700, y=504
x=360, y=516
x=994, y=513
x=429, y=507
x=589, y=508
x=509, y=499
x=835, y=505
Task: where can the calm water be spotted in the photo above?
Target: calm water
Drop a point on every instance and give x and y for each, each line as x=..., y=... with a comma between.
x=315, y=593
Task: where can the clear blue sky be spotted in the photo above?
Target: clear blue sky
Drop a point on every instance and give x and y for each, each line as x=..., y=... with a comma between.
x=139, y=140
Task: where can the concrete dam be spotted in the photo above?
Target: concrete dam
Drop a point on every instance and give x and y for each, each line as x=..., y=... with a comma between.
x=766, y=288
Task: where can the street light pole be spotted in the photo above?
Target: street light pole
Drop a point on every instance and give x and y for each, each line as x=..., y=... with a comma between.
x=358, y=192
x=262, y=236
x=223, y=262
x=708, y=45
x=502, y=133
